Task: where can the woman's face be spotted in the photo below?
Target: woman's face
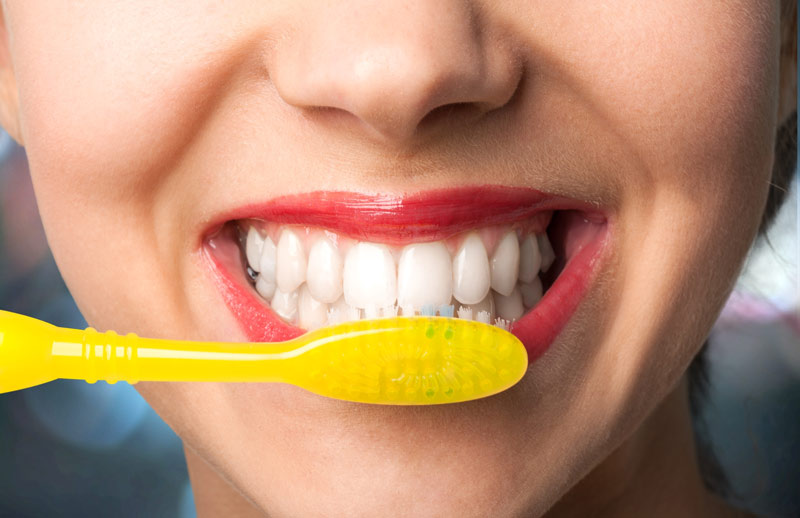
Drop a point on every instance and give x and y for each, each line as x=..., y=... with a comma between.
x=637, y=136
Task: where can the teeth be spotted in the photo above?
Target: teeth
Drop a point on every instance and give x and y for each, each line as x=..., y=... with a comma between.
x=265, y=287
x=285, y=304
x=531, y=292
x=505, y=264
x=530, y=260
x=369, y=276
x=373, y=280
x=253, y=248
x=424, y=275
x=509, y=307
x=546, y=249
x=267, y=263
x=291, y=262
x=311, y=312
x=324, y=273
x=471, y=275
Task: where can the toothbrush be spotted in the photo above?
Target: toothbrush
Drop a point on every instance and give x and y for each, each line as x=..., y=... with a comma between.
x=417, y=360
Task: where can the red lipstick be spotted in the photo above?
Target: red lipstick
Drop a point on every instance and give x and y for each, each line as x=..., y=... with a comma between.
x=398, y=219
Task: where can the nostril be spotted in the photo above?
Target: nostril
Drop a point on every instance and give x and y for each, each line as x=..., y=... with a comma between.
x=450, y=113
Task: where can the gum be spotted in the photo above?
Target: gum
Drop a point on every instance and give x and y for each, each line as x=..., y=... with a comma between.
x=490, y=235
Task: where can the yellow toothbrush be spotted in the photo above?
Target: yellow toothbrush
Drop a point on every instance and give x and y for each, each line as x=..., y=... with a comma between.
x=398, y=361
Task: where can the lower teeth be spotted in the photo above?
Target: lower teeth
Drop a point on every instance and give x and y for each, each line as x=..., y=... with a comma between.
x=342, y=279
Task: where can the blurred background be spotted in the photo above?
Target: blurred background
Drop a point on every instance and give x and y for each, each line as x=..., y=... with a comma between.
x=71, y=449
x=68, y=448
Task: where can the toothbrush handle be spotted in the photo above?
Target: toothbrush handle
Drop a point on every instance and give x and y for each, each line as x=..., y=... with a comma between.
x=91, y=355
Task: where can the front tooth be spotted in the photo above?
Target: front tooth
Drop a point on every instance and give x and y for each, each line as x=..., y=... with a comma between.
x=546, y=249
x=530, y=260
x=370, y=277
x=291, y=262
x=471, y=275
x=509, y=307
x=267, y=261
x=312, y=313
x=505, y=264
x=285, y=304
x=531, y=292
x=324, y=273
x=424, y=275
x=253, y=247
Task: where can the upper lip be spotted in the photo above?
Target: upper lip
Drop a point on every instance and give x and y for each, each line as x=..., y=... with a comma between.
x=398, y=218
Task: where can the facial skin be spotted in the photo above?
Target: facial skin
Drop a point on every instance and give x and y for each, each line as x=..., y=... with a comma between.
x=145, y=120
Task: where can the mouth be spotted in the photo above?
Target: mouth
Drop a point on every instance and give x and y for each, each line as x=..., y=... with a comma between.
x=512, y=257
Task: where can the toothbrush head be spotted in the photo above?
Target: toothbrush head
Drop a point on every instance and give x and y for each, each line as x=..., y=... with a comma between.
x=410, y=361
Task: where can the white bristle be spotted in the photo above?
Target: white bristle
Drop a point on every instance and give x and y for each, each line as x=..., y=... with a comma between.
x=371, y=311
x=408, y=310
x=465, y=313
x=352, y=314
x=483, y=316
x=389, y=311
x=502, y=323
x=334, y=316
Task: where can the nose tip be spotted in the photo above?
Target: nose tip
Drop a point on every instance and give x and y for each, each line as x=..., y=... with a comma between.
x=394, y=70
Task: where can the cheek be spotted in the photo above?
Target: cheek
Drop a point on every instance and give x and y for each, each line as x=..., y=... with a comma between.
x=690, y=101
x=110, y=96
x=104, y=100
x=687, y=89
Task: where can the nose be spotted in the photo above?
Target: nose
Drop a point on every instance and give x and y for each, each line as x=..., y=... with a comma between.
x=391, y=66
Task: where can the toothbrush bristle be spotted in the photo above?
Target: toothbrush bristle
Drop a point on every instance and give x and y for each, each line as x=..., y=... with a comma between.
x=351, y=314
x=334, y=316
x=389, y=311
x=465, y=313
x=371, y=312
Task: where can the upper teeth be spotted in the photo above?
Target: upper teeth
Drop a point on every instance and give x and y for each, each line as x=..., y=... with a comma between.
x=324, y=273
x=425, y=275
x=370, y=276
x=308, y=282
x=505, y=264
x=292, y=264
x=471, y=273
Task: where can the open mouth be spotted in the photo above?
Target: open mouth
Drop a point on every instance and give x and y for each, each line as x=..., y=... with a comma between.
x=511, y=257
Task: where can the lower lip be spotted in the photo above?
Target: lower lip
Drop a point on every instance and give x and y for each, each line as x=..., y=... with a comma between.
x=537, y=330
